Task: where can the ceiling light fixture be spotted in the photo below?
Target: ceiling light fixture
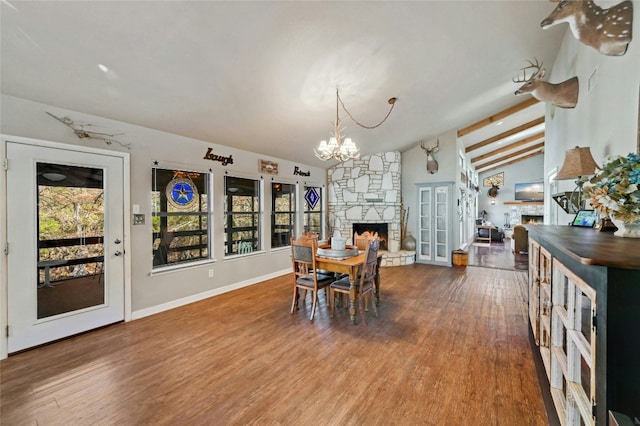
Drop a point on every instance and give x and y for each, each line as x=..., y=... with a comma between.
x=339, y=147
x=103, y=68
x=54, y=177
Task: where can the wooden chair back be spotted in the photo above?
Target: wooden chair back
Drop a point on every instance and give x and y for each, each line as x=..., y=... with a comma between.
x=362, y=240
x=305, y=272
x=369, y=266
x=303, y=256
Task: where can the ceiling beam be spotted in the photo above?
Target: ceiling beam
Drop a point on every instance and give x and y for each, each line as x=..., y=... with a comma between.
x=497, y=117
x=506, y=134
x=517, y=160
x=514, y=154
x=508, y=147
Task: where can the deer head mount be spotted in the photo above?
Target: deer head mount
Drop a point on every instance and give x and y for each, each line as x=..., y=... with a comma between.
x=606, y=30
x=563, y=95
x=432, y=164
x=493, y=191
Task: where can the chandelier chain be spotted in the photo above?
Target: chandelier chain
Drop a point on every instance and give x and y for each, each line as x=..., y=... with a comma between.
x=392, y=101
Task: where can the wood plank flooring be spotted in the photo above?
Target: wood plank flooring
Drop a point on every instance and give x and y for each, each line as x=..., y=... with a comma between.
x=449, y=347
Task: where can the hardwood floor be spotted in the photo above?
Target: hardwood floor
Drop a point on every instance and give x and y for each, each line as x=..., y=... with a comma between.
x=497, y=255
x=449, y=347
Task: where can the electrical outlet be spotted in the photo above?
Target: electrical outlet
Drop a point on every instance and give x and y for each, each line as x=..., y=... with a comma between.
x=210, y=273
x=138, y=219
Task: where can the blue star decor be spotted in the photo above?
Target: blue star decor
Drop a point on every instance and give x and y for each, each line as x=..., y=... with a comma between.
x=181, y=192
x=312, y=197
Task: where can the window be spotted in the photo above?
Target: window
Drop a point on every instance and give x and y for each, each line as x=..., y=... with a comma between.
x=313, y=209
x=283, y=212
x=242, y=215
x=180, y=216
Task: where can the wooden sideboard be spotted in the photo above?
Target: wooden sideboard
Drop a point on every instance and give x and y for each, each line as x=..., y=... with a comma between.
x=584, y=310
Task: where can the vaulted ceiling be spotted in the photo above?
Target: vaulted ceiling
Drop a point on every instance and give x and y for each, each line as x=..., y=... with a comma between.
x=261, y=76
x=506, y=137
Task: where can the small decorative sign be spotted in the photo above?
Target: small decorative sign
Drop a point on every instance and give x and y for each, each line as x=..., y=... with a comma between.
x=181, y=192
x=297, y=171
x=268, y=167
x=312, y=197
x=214, y=157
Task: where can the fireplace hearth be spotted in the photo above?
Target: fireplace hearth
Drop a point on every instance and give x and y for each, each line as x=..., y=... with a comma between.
x=381, y=228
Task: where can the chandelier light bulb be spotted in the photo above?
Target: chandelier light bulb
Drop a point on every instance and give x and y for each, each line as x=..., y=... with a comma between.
x=339, y=147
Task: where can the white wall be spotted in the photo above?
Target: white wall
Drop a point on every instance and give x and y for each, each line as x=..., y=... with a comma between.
x=414, y=171
x=529, y=170
x=152, y=293
x=606, y=118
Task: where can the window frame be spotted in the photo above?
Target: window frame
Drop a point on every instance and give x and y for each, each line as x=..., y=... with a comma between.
x=204, y=215
x=257, y=239
x=308, y=213
x=277, y=240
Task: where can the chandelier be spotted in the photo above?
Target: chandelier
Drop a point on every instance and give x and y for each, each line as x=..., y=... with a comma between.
x=339, y=147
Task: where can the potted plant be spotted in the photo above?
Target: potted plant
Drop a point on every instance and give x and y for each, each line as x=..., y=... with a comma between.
x=615, y=192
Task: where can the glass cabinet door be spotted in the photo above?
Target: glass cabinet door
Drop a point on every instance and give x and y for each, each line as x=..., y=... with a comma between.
x=573, y=347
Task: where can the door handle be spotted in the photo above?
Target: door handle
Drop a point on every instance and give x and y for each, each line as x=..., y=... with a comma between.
x=118, y=253
x=117, y=241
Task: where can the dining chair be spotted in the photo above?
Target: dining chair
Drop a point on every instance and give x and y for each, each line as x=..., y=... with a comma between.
x=305, y=272
x=365, y=285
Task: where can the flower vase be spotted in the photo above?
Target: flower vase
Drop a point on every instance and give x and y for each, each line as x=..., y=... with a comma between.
x=626, y=229
x=409, y=243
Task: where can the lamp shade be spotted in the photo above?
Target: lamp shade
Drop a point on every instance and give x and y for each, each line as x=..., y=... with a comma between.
x=577, y=162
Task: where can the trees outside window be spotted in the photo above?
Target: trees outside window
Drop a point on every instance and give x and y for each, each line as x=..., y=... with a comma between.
x=283, y=213
x=180, y=216
x=242, y=215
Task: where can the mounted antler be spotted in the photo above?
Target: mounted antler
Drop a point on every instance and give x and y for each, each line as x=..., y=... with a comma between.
x=432, y=164
x=535, y=76
x=563, y=95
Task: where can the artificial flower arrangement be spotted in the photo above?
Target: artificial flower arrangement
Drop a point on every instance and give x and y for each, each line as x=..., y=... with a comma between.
x=615, y=189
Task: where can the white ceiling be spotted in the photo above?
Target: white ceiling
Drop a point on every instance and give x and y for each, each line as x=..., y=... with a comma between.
x=261, y=76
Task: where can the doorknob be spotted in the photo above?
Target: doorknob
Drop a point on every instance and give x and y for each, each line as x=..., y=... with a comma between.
x=118, y=253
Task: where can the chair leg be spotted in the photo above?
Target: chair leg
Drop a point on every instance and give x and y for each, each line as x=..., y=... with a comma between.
x=373, y=304
x=332, y=302
x=313, y=305
x=361, y=308
x=294, y=303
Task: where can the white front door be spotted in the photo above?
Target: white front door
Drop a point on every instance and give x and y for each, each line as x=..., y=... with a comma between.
x=65, y=231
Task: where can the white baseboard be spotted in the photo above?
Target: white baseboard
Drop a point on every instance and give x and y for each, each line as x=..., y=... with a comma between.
x=205, y=295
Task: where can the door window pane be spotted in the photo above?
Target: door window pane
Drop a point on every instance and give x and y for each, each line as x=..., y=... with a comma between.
x=70, y=238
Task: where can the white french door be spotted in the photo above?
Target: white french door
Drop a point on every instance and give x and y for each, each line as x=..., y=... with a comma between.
x=435, y=223
x=65, y=232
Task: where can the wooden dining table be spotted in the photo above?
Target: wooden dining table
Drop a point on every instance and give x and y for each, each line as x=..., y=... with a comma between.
x=350, y=266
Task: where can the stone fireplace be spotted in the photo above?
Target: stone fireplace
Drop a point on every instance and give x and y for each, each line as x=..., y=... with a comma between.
x=524, y=213
x=366, y=191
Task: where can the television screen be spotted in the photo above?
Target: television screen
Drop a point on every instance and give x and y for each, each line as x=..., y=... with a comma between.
x=530, y=191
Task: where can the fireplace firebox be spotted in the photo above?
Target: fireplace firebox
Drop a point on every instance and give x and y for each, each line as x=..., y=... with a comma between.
x=531, y=218
x=381, y=228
